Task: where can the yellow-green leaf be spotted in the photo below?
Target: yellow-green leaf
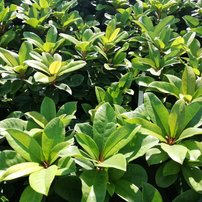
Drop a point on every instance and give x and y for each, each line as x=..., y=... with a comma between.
x=55, y=67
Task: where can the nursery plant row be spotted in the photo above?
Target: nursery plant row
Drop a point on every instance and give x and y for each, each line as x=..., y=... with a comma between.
x=100, y=101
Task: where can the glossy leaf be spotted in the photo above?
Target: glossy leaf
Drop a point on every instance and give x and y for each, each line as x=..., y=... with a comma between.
x=150, y=193
x=88, y=144
x=40, y=181
x=157, y=112
x=20, y=170
x=30, y=195
x=94, y=184
x=53, y=134
x=117, y=161
x=25, y=145
x=104, y=124
x=176, y=152
x=48, y=109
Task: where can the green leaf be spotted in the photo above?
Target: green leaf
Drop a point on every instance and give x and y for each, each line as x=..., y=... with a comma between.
x=193, y=176
x=118, y=139
x=20, y=170
x=104, y=124
x=169, y=20
x=55, y=151
x=43, y=3
x=150, y=193
x=117, y=161
x=157, y=112
x=34, y=39
x=148, y=128
x=24, y=52
x=54, y=133
x=171, y=168
x=73, y=193
x=110, y=28
x=68, y=108
x=100, y=94
x=164, y=181
x=94, y=185
x=70, y=38
x=37, y=118
x=136, y=174
x=48, y=109
x=71, y=66
x=189, y=132
x=176, y=152
x=7, y=37
x=30, y=195
x=88, y=144
x=9, y=158
x=52, y=35
x=40, y=181
x=156, y=156
x=12, y=123
x=176, y=118
x=9, y=57
x=165, y=87
x=193, y=115
x=188, y=81
x=128, y=191
x=191, y=21
x=85, y=128
x=66, y=165
x=139, y=146
x=25, y=145
x=187, y=196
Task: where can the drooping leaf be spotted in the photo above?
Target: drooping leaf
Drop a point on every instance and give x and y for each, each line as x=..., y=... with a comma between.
x=40, y=181
x=128, y=191
x=136, y=174
x=156, y=156
x=21, y=170
x=150, y=193
x=38, y=118
x=73, y=193
x=94, y=184
x=193, y=176
x=187, y=196
x=164, y=181
x=30, y=195
x=176, y=152
x=117, y=161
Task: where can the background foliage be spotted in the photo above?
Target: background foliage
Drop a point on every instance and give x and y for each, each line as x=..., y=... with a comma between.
x=100, y=100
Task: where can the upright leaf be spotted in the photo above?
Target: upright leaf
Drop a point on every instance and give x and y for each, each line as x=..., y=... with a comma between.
x=188, y=81
x=54, y=133
x=104, y=124
x=176, y=118
x=25, y=145
x=48, y=109
x=157, y=112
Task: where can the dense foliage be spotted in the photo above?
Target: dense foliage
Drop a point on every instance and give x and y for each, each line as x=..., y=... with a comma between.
x=100, y=100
